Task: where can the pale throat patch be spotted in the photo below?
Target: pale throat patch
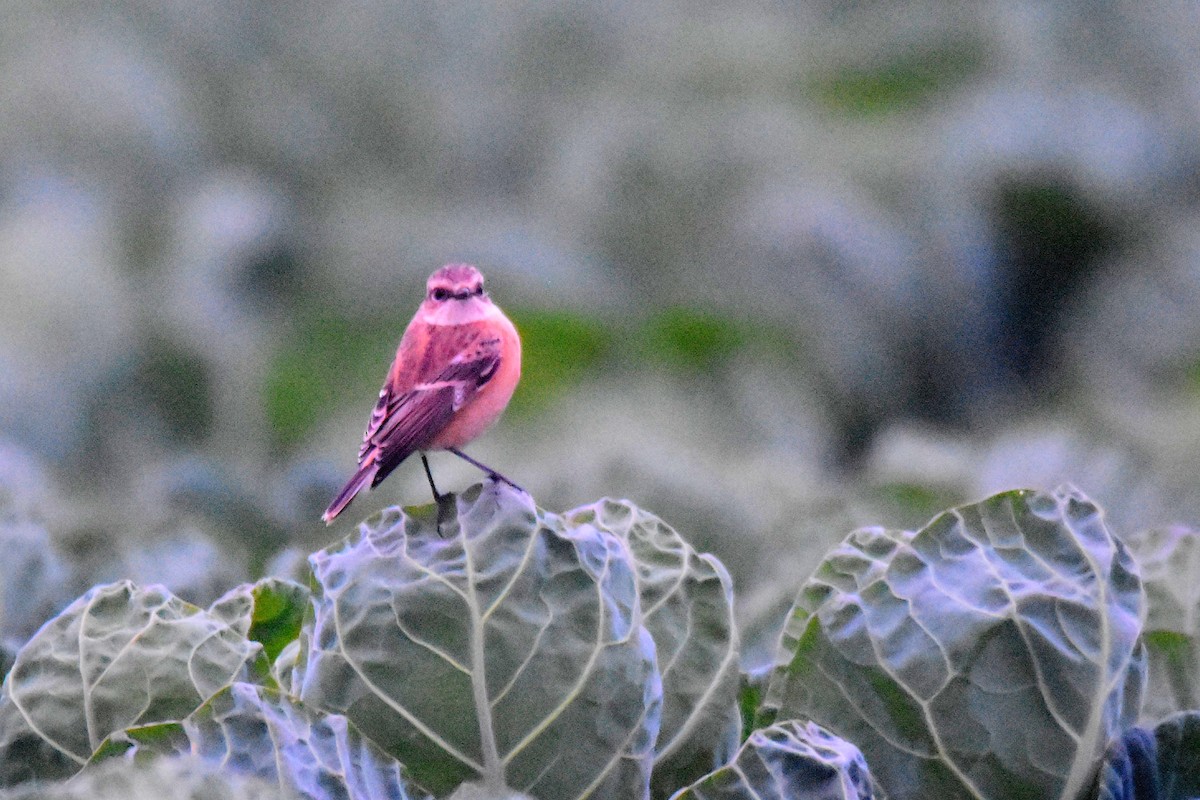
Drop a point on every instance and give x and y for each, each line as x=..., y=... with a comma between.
x=461, y=312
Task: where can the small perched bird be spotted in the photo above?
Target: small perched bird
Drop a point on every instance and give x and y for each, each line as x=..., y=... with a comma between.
x=455, y=370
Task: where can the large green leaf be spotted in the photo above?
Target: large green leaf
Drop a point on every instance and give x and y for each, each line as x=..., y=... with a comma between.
x=509, y=651
x=788, y=761
x=262, y=733
x=687, y=605
x=268, y=612
x=1170, y=565
x=118, y=656
x=992, y=654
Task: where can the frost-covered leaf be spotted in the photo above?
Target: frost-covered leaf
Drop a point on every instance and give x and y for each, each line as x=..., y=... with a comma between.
x=118, y=656
x=510, y=650
x=262, y=733
x=1169, y=559
x=159, y=779
x=687, y=605
x=787, y=761
x=992, y=654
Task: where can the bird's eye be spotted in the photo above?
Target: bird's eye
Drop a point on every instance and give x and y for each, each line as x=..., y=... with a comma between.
x=439, y=294
x=479, y=289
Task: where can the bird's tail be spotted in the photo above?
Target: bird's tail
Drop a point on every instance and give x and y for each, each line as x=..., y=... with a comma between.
x=355, y=485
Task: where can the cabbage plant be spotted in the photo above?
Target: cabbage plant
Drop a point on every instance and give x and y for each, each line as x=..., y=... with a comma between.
x=994, y=653
x=477, y=656
x=117, y=657
x=511, y=652
x=788, y=761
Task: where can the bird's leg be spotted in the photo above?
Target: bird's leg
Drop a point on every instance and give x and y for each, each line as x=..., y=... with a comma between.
x=491, y=473
x=438, y=497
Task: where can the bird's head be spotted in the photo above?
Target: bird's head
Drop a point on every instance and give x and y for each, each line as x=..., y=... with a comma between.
x=454, y=282
x=454, y=294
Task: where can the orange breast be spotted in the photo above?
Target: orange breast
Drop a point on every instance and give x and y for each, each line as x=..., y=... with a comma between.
x=479, y=412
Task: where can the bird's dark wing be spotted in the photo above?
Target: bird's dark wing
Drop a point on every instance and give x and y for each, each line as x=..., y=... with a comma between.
x=403, y=422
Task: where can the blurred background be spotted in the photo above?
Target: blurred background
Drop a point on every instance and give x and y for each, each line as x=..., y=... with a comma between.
x=781, y=269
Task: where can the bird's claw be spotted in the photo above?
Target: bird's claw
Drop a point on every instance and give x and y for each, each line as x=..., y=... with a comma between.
x=444, y=503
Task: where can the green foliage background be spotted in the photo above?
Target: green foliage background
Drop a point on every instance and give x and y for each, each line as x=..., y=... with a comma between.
x=779, y=271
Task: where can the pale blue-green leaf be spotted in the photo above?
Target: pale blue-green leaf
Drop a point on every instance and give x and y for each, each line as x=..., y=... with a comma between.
x=262, y=733
x=992, y=654
x=687, y=605
x=1169, y=559
x=283, y=668
x=507, y=649
x=787, y=761
x=117, y=657
x=235, y=608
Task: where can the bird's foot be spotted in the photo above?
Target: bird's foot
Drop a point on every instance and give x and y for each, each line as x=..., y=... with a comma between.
x=445, y=511
x=496, y=477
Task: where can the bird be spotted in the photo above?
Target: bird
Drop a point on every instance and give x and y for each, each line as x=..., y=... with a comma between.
x=455, y=370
